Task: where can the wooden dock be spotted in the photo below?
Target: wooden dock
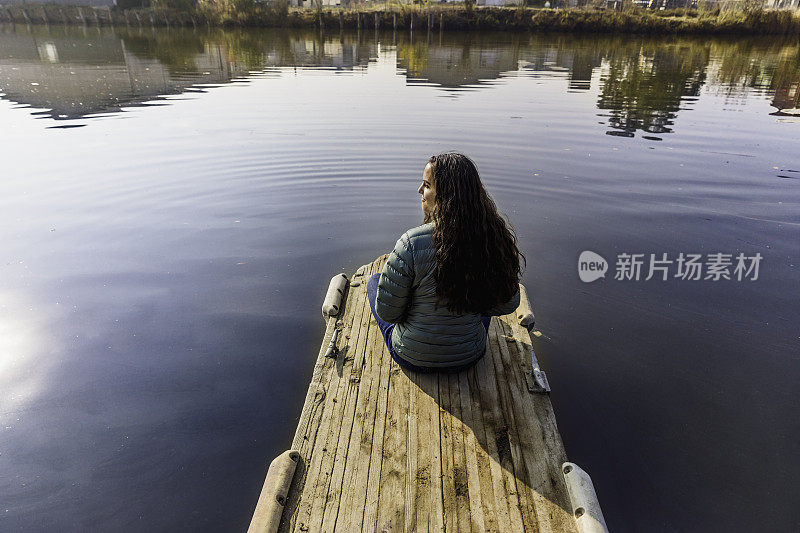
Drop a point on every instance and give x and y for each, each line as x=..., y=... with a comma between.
x=383, y=449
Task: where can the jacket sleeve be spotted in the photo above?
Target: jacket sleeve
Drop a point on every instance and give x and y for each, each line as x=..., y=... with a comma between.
x=395, y=285
x=505, y=308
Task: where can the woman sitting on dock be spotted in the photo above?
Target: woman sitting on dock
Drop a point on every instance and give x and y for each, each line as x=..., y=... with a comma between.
x=445, y=279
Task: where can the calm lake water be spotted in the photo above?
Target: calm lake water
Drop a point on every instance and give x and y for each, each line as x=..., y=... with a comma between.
x=173, y=204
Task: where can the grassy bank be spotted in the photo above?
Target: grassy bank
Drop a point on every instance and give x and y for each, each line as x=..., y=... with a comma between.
x=416, y=17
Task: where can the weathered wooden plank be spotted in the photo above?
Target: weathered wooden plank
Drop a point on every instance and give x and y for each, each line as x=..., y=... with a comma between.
x=373, y=487
x=460, y=478
x=412, y=484
x=383, y=360
x=356, y=471
x=315, y=393
x=542, y=409
x=347, y=395
x=480, y=517
x=312, y=414
x=448, y=479
x=497, y=441
x=528, y=433
x=495, y=512
x=312, y=504
x=524, y=491
x=542, y=470
x=437, y=503
x=519, y=345
x=425, y=478
x=391, y=501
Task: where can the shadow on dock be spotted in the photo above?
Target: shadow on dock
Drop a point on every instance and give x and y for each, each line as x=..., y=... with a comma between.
x=383, y=449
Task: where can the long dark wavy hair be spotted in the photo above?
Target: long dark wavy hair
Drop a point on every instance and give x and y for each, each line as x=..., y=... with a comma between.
x=477, y=259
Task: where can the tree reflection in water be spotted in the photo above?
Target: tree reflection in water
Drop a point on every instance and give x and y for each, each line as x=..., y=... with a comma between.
x=645, y=83
x=642, y=83
x=770, y=68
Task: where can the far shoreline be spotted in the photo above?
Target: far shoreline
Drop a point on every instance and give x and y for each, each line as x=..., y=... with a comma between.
x=416, y=17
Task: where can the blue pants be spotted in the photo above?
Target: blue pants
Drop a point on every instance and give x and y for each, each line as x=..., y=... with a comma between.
x=387, y=328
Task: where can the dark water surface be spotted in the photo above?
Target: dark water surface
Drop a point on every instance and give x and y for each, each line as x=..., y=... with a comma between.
x=173, y=205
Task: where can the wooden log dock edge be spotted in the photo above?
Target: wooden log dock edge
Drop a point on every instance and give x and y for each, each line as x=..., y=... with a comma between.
x=381, y=449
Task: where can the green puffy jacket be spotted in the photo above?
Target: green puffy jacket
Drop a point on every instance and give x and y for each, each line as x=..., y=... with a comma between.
x=427, y=335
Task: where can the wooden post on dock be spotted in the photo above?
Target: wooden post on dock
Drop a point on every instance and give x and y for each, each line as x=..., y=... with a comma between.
x=411, y=25
x=341, y=21
x=394, y=21
x=377, y=21
x=430, y=21
x=320, y=20
x=441, y=21
x=358, y=21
